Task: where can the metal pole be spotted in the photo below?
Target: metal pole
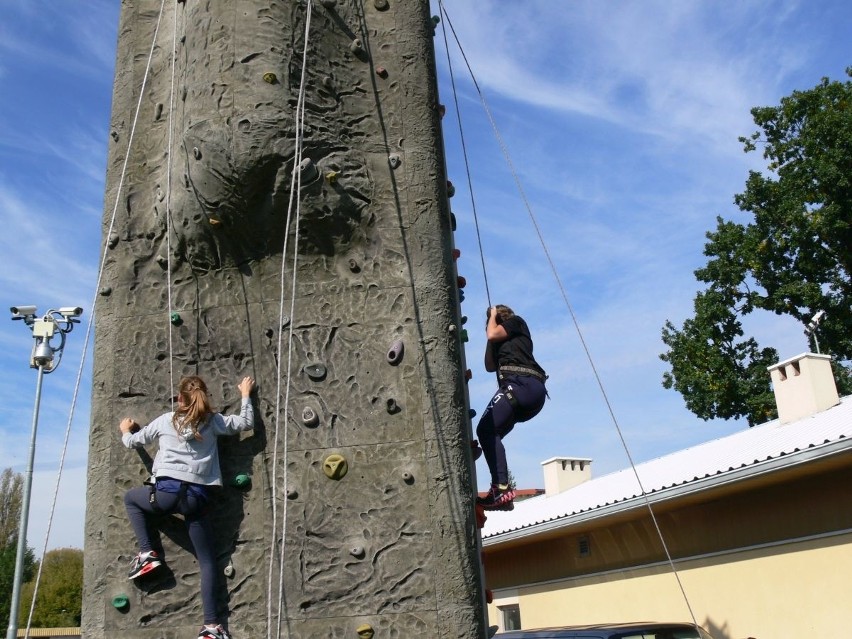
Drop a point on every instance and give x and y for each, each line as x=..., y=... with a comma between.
x=25, y=515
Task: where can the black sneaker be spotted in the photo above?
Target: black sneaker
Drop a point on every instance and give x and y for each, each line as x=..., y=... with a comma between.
x=143, y=563
x=498, y=498
x=217, y=632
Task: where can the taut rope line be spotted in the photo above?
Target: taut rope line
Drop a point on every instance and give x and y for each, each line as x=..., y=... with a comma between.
x=573, y=317
x=295, y=193
x=91, y=321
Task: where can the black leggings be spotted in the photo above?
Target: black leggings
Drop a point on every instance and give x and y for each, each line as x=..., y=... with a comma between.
x=138, y=505
x=500, y=418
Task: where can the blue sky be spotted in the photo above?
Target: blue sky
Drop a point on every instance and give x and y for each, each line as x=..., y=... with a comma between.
x=621, y=120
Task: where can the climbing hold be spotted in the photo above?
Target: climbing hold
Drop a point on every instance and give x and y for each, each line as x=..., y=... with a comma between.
x=456, y=254
x=463, y=335
x=158, y=111
x=395, y=352
x=452, y=220
x=451, y=328
x=285, y=321
x=175, y=319
x=489, y=596
x=196, y=153
x=394, y=160
x=242, y=481
x=461, y=295
x=364, y=631
x=270, y=77
x=308, y=171
x=114, y=136
x=328, y=4
x=393, y=407
x=451, y=190
x=435, y=21
x=381, y=72
x=472, y=413
x=356, y=46
x=442, y=110
x=353, y=265
x=461, y=281
x=315, y=371
x=468, y=374
x=407, y=477
x=335, y=466
x=160, y=194
x=464, y=319
x=309, y=417
x=120, y=602
x=214, y=222
x=331, y=177
x=113, y=240
x=106, y=291
x=357, y=551
x=381, y=5
x=292, y=493
x=229, y=570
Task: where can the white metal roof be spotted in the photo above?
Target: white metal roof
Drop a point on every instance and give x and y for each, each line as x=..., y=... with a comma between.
x=749, y=453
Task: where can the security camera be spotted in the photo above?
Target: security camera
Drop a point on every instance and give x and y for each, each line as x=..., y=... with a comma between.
x=70, y=311
x=815, y=320
x=23, y=311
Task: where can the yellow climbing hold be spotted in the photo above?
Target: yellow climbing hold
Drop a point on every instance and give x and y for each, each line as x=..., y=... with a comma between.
x=335, y=466
x=214, y=222
x=365, y=631
x=331, y=176
x=270, y=77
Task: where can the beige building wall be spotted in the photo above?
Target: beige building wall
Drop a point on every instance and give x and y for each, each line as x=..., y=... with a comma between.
x=783, y=591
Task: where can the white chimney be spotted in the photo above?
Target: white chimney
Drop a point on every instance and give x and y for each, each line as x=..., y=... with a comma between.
x=562, y=473
x=803, y=385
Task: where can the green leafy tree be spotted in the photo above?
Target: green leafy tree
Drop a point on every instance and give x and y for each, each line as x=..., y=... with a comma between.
x=59, y=600
x=794, y=258
x=11, y=499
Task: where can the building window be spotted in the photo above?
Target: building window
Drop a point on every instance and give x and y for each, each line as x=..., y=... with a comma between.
x=584, y=548
x=511, y=616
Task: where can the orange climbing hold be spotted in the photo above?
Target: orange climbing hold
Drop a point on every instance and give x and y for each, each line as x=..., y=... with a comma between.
x=481, y=517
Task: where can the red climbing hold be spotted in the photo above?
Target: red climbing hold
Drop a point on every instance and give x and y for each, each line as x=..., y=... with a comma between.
x=461, y=281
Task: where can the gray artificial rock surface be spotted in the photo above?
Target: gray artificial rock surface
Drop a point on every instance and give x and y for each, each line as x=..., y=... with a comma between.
x=392, y=544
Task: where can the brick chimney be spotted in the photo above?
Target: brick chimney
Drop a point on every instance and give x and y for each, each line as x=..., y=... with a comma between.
x=562, y=473
x=803, y=386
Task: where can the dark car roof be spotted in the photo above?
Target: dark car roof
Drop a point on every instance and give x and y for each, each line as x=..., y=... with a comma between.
x=597, y=630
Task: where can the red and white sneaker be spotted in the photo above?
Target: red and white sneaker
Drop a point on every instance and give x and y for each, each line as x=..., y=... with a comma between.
x=143, y=563
x=498, y=498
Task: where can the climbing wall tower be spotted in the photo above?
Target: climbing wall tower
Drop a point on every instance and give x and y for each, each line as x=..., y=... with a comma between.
x=347, y=512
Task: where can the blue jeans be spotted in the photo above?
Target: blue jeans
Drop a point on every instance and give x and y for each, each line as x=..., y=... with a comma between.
x=500, y=418
x=194, y=511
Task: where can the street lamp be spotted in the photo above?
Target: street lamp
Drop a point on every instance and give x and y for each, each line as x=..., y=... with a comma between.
x=56, y=322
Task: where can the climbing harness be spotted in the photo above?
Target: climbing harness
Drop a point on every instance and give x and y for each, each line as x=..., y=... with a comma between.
x=521, y=370
x=568, y=305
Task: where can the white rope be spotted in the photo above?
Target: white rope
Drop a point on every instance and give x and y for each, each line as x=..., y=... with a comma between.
x=169, y=210
x=295, y=193
x=573, y=318
x=91, y=321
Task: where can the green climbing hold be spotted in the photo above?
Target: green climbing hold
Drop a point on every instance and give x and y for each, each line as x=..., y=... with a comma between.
x=176, y=319
x=120, y=602
x=242, y=481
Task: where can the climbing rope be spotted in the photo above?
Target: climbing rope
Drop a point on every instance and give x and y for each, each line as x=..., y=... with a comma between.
x=466, y=162
x=169, y=311
x=295, y=195
x=570, y=311
x=91, y=321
